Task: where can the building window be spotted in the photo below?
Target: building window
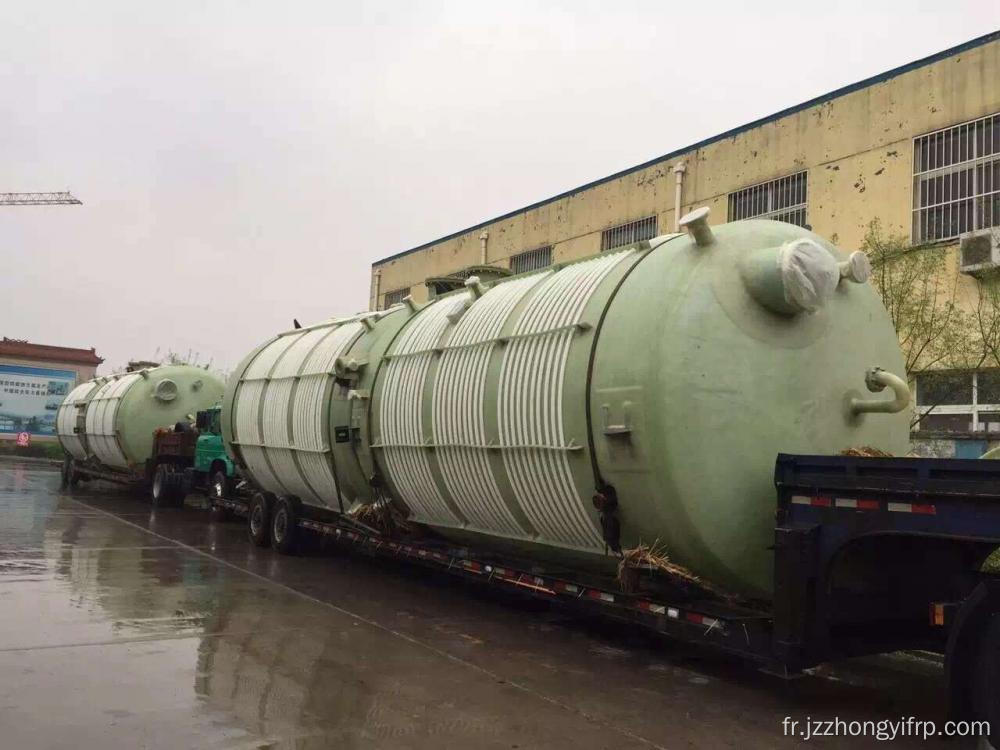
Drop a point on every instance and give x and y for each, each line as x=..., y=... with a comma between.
x=531, y=260
x=956, y=180
x=395, y=297
x=959, y=402
x=783, y=199
x=626, y=234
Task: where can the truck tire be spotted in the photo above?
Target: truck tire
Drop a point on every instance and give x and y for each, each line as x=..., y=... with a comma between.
x=162, y=490
x=284, y=526
x=219, y=486
x=178, y=489
x=986, y=674
x=259, y=520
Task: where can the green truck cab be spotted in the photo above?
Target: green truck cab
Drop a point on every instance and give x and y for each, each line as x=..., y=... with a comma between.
x=211, y=462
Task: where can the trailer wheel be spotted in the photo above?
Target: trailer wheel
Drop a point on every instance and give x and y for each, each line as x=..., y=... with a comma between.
x=168, y=487
x=986, y=674
x=259, y=520
x=284, y=526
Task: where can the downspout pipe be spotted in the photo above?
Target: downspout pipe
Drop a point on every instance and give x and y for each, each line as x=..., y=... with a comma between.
x=482, y=247
x=877, y=380
x=679, y=170
x=378, y=284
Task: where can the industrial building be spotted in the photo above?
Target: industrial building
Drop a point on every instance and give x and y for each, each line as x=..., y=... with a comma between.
x=34, y=380
x=916, y=147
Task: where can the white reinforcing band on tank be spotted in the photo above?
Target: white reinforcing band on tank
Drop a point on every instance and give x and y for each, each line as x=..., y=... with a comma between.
x=809, y=273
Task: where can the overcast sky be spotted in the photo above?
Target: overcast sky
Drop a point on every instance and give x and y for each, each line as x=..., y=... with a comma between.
x=242, y=164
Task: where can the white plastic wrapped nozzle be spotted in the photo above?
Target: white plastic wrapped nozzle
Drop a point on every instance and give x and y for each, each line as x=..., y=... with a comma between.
x=809, y=274
x=796, y=277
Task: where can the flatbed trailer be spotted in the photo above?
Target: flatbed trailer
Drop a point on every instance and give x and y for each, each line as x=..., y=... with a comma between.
x=162, y=475
x=872, y=555
x=183, y=458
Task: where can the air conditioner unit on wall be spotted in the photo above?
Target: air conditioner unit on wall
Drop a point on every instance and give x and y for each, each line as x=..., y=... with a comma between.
x=979, y=251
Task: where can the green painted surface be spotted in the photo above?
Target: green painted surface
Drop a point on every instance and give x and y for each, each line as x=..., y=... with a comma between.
x=716, y=386
x=676, y=386
x=210, y=447
x=141, y=411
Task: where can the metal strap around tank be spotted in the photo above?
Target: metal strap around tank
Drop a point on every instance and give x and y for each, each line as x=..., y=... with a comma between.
x=310, y=411
x=276, y=434
x=247, y=404
x=100, y=422
x=401, y=434
x=67, y=416
x=281, y=412
x=459, y=409
x=530, y=403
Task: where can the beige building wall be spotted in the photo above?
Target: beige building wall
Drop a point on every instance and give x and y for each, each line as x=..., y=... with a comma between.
x=856, y=145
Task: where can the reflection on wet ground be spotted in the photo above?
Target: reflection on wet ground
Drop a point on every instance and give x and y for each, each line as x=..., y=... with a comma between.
x=122, y=627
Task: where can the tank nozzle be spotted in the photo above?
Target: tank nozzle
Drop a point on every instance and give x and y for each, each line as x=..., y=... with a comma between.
x=876, y=379
x=165, y=390
x=696, y=222
x=799, y=276
x=474, y=285
x=856, y=268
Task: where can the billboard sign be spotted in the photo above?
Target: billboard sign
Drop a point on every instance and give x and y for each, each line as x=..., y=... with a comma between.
x=30, y=397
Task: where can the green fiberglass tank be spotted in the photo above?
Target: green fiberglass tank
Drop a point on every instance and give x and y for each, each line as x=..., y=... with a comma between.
x=110, y=420
x=657, y=381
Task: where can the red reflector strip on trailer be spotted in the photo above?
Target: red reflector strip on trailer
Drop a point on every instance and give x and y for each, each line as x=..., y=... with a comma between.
x=600, y=595
x=849, y=503
x=656, y=609
x=923, y=509
x=694, y=617
x=819, y=502
x=472, y=565
x=855, y=504
x=566, y=588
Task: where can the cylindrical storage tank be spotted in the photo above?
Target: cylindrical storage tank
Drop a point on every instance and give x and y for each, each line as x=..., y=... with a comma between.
x=110, y=420
x=666, y=376
x=71, y=419
x=291, y=426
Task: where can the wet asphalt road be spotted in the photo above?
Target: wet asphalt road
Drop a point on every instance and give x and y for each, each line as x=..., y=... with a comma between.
x=121, y=627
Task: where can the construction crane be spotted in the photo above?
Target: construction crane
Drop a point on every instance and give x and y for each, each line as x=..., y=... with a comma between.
x=39, y=199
